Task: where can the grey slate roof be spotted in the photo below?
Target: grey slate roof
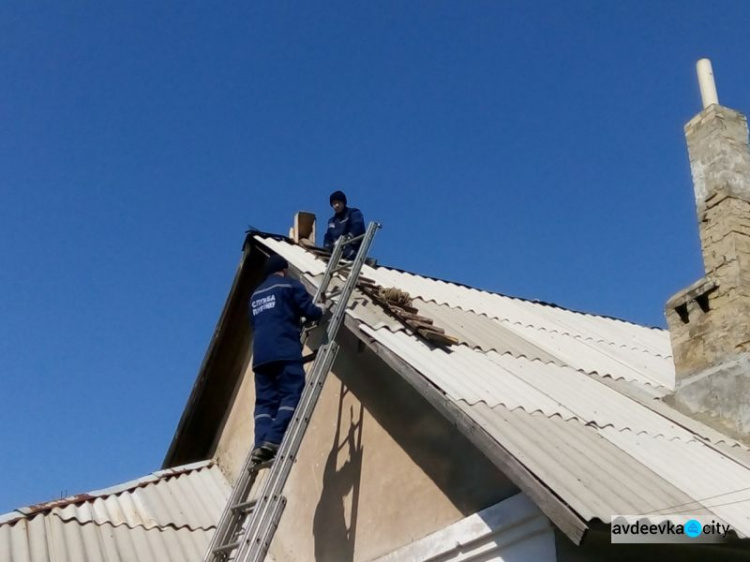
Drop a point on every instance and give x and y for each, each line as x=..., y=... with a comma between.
x=166, y=516
x=573, y=396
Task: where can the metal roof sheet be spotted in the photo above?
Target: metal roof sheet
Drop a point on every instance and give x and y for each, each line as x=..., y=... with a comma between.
x=533, y=376
x=168, y=515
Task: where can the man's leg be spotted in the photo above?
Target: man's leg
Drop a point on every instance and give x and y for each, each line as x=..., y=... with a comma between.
x=266, y=401
x=291, y=383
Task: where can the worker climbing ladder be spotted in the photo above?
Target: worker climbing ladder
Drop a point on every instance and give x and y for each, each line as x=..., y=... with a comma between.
x=247, y=525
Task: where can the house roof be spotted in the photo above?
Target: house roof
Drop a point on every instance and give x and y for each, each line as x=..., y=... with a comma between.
x=487, y=321
x=572, y=398
x=167, y=515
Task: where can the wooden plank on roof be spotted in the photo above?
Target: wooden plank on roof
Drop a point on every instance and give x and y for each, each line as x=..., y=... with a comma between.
x=416, y=324
x=436, y=337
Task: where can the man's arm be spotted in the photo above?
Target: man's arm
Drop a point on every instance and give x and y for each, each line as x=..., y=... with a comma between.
x=356, y=222
x=328, y=240
x=304, y=302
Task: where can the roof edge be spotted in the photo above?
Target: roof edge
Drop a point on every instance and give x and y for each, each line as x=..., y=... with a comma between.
x=212, y=351
x=151, y=478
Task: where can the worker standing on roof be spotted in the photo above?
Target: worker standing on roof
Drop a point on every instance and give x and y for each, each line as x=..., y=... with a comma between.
x=276, y=309
x=346, y=221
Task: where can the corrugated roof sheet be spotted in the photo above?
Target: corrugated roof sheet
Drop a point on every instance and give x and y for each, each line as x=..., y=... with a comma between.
x=533, y=376
x=585, y=342
x=166, y=516
x=49, y=539
x=589, y=472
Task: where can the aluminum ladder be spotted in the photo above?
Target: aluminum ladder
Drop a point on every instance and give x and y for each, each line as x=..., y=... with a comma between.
x=247, y=525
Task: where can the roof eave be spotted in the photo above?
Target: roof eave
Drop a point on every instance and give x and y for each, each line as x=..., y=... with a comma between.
x=248, y=268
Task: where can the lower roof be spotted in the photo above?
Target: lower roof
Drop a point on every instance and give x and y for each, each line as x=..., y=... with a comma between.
x=166, y=516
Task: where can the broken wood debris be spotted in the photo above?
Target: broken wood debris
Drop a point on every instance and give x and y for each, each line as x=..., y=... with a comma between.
x=439, y=338
x=395, y=296
x=398, y=303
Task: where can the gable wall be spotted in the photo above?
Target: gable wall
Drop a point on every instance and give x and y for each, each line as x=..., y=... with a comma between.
x=378, y=468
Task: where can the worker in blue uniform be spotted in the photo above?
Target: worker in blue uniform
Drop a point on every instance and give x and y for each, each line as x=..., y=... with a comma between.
x=346, y=221
x=276, y=309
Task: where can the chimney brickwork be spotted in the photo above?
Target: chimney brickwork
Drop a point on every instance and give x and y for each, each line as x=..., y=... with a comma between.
x=709, y=322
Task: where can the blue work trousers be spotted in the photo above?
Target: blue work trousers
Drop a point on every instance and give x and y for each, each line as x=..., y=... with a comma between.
x=278, y=387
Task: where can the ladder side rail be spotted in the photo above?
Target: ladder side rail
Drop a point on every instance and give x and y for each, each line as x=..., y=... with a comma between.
x=267, y=524
x=330, y=271
x=260, y=530
x=229, y=521
x=333, y=262
x=260, y=549
x=263, y=500
x=282, y=464
x=264, y=495
x=232, y=520
x=270, y=504
x=338, y=250
x=338, y=314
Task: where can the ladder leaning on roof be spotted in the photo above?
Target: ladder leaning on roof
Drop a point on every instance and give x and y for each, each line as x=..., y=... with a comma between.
x=247, y=525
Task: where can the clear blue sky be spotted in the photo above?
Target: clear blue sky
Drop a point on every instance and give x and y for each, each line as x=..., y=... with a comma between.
x=532, y=148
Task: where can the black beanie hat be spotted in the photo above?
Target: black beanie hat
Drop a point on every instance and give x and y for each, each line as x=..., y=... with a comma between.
x=337, y=196
x=275, y=264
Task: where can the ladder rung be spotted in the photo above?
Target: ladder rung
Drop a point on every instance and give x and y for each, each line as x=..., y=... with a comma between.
x=353, y=240
x=242, y=506
x=227, y=547
x=260, y=466
x=341, y=268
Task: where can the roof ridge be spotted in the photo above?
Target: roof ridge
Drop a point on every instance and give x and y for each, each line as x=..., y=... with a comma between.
x=522, y=299
x=253, y=233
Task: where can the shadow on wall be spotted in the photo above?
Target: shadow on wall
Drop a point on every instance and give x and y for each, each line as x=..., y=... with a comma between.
x=467, y=478
x=334, y=538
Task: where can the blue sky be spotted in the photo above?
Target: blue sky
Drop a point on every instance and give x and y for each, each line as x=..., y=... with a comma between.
x=532, y=148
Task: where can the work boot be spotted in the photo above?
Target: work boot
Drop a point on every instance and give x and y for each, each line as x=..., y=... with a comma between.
x=266, y=452
x=257, y=455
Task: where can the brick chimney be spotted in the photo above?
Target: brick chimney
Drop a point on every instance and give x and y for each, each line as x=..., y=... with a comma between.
x=709, y=322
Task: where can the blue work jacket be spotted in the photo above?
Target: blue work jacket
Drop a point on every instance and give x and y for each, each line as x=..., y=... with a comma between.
x=276, y=307
x=349, y=221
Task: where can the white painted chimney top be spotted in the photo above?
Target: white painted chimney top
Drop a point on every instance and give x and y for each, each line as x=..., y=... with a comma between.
x=707, y=83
